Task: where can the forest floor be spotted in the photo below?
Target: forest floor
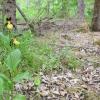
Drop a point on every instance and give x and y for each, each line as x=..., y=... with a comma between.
x=81, y=84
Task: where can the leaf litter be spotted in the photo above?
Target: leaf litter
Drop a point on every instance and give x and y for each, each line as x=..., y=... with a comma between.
x=83, y=84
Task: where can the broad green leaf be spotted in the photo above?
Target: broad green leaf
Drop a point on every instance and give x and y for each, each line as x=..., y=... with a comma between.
x=13, y=59
x=5, y=78
x=4, y=40
x=37, y=81
x=21, y=76
x=1, y=85
x=5, y=83
x=20, y=97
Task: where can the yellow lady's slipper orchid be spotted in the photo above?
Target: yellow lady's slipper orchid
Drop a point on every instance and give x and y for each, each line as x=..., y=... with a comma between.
x=9, y=26
x=16, y=42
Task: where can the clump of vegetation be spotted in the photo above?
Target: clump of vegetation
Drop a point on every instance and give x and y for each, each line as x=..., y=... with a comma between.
x=40, y=55
x=11, y=74
x=10, y=71
x=68, y=59
x=36, y=55
x=21, y=55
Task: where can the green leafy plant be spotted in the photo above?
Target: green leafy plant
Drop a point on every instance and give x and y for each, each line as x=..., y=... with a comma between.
x=20, y=97
x=37, y=81
x=23, y=75
x=13, y=59
x=7, y=82
x=69, y=57
x=4, y=41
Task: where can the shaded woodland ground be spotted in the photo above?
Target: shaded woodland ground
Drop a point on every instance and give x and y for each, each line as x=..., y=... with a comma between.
x=64, y=84
x=60, y=60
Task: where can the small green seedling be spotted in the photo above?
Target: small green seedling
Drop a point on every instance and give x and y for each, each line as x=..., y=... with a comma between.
x=37, y=81
x=20, y=97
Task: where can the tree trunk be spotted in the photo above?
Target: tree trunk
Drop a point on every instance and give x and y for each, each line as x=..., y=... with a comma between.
x=10, y=10
x=96, y=16
x=81, y=7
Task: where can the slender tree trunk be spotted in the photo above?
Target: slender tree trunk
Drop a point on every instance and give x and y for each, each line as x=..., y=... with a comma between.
x=81, y=7
x=10, y=10
x=96, y=16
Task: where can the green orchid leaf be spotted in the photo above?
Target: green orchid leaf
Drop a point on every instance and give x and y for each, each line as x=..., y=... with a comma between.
x=1, y=85
x=20, y=97
x=5, y=83
x=21, y=76
x=5, y=78
x=4, y=40
x=13, y=59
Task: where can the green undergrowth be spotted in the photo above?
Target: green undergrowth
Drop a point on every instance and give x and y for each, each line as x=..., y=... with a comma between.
x=26, y=60
x=38, y=55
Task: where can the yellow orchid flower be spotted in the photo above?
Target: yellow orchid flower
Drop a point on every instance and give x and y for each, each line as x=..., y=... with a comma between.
x=9, y=25
x=16, y=42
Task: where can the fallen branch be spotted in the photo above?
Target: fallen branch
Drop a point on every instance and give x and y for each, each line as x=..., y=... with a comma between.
x=31, y=25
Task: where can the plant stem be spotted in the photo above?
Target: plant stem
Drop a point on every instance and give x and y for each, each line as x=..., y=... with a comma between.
x=11, y=78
